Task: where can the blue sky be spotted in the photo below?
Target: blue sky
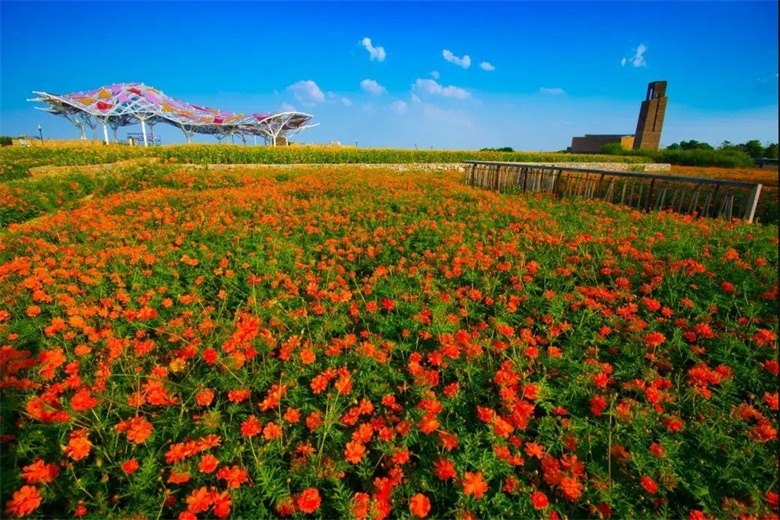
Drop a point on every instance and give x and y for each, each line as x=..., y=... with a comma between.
x=459, y=75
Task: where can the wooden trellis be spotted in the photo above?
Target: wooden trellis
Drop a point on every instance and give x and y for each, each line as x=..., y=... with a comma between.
x=645, y=191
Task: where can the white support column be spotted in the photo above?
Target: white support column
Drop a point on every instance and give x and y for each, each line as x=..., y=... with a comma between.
x=752, y=204
x=143, y=131
x=105, y=132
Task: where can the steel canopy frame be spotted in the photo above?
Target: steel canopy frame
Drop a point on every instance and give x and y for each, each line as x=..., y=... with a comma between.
x=124, y=104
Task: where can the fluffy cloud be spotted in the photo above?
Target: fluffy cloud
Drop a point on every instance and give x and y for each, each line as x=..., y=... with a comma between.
x=638, y=59
x=552, y=91
x=372, y=87
x=464, y=62
x=286, y=107
x=486, y=65
x=399, y=107
x=431, y=87
x=340, y=99
x=415, y=98
x=374, y=53
x=435, y=75
x=307, y=92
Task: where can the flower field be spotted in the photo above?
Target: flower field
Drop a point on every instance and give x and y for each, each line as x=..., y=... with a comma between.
x=348, y=343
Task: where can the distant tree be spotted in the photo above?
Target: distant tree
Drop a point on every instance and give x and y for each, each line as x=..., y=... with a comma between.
x=771, y=151
x=753, y=148
x=726, y=145
x=695, y=145
x=5, y=140
x=504, y=149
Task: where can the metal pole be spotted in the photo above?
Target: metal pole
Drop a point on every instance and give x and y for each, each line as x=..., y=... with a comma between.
x=40, y=130
x=105, y=133
x=143, y=131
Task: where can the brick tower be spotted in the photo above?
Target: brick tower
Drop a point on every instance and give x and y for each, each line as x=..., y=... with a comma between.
x=651, y=117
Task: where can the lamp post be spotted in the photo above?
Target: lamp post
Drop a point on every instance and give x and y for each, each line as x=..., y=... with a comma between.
x=40, y=131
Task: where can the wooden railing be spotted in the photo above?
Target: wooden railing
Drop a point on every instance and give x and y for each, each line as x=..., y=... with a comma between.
x=701, y=197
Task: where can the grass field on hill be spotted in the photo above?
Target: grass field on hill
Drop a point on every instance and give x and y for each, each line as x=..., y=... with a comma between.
x=341, y=342
x=15, y=161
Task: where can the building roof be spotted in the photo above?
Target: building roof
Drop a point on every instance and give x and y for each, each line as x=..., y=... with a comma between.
x=123, y=104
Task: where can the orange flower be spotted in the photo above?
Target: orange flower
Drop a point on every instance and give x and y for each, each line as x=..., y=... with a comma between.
x=208, y=463
x=474, y=484
x=308, y=356
x=204, y=397
x=419, y=505
x=539, y=500
x=354, y=452
x=571, y=487
x=24, y=502
x=445, y=469
x=78, y=447
x=309, y=500
x=251, y=427
x=272, y=431
x=83, y=400
x=234, y=476
x=199, y=501
x=40, y=473
x=138, y=429
x=130, y=466
x=222, y=503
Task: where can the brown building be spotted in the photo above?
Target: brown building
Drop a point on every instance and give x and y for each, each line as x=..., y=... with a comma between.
x=593, y=143
x=651, y=117
x=648, y=127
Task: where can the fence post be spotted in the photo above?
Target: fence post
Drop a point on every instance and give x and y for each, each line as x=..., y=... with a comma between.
x=750, y=210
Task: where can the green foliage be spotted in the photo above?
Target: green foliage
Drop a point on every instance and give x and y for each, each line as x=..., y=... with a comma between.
x=5, y=140
x=15, y=163
x=504, y=149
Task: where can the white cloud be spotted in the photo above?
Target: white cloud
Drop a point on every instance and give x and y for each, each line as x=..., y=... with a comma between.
x=374, y=53
x=638, y=59
x=339, y=99
x=486, y=65
x=415, y=98
x=372, y=87
x=399, y=107
x=286, y=107
x=307, y=92
x=431, y=87
x=435, y=75
x=464, y=62
x=552, y=91
x=346, y=102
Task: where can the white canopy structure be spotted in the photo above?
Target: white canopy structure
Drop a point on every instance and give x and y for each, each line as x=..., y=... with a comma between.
x=124, y=104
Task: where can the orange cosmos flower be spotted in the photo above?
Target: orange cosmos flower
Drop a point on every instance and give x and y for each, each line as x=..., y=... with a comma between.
x=474, y=484
x=571, y=487
x=308, y=356
x=649, y=485
x=309, y=500
x=272, y=431
x=79, y=446
x=82, y=400
x=222, y=503
x=208, y=463
x=445, y=469
x=251, y=427
x=130, y=466
x=24, y=502
x=138, y=429
x=419, y=505
x=40, y=473
x=539, y=500
x=199, y=501
x=234, y=476
x=354, y=452
x=204, y=397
